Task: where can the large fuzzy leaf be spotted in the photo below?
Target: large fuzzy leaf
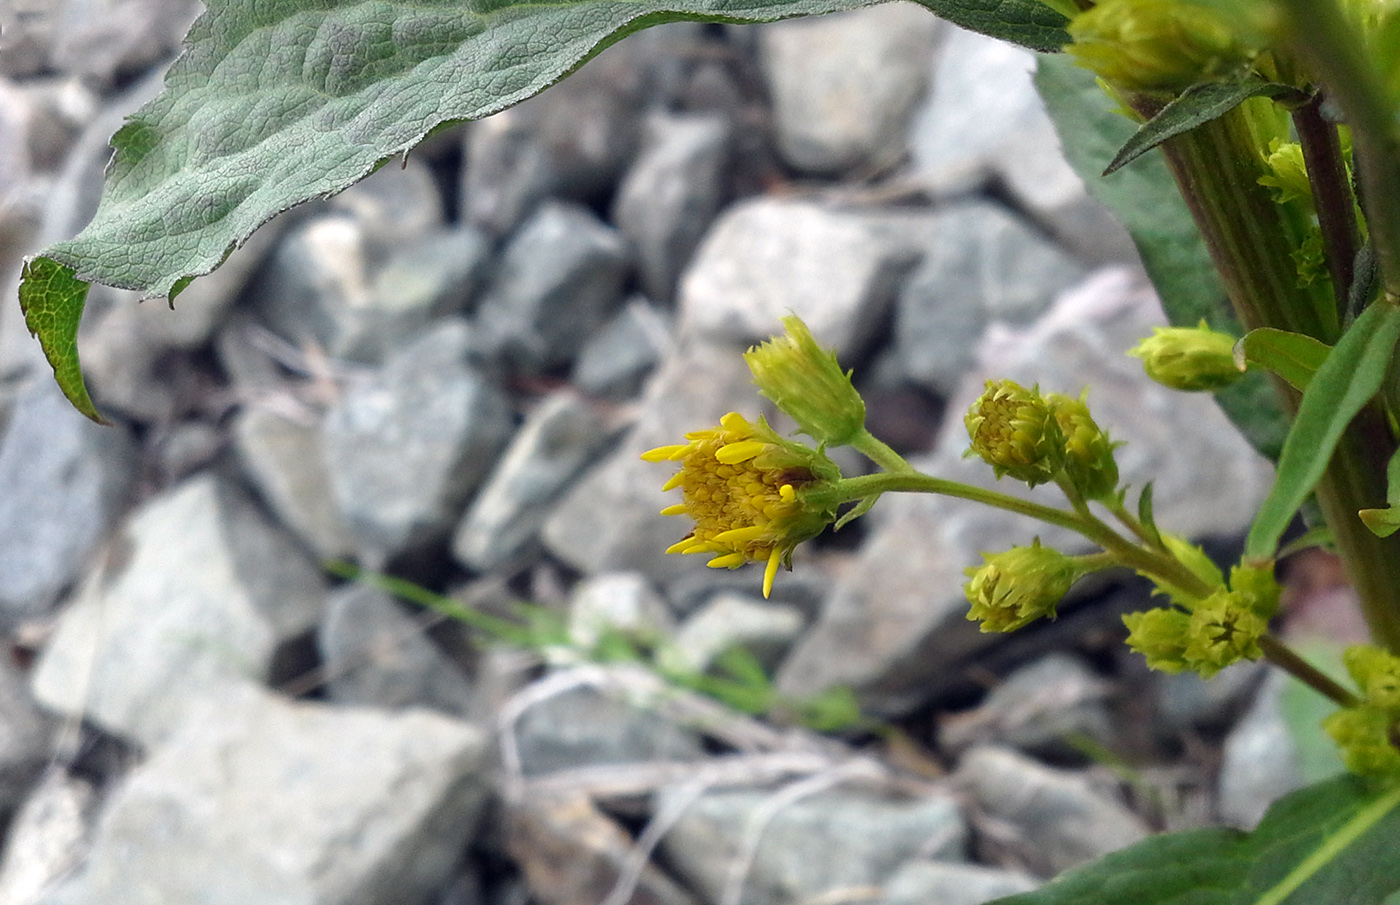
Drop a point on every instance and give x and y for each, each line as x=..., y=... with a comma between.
x=276, y=102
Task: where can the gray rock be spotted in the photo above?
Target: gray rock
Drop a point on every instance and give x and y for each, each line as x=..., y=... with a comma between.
x=285, y=459
x=671, y=193
x=623, y=603
x=615, y=361
x=259, y=802
x=766, y=257
x=942, y=883
x=1261, y=760
x=571, y=852
x=732, y=620
x=435, y=274
x=26, y=740
x=193, y=600
x=377, y=655
x=829, y=841
x=1060, y=820
x=611, y=521
x=47, y=839
x=1187, y=703
x=844, y=86
x=981, y=264
x=1037, y=709
x=559, y=279
x=896, y=617
x=396, y=205
x=573, y=140
x=583, y=727
x=103, y=41
x=409, y=444
x=556, y=442
x=66, y=479
x=983, y=120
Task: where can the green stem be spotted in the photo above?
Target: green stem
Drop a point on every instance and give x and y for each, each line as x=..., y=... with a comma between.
x=1216, y=167
x=1342, y=61
x=913, y=481
x=1331, y=187
x=880, y=453
x=1285, y=658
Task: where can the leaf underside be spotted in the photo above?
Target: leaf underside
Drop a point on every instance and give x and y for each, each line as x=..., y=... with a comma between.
x=1332, y=842
x=277, y=102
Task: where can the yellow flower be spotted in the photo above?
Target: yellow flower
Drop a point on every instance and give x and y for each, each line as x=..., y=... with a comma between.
x=744, y=487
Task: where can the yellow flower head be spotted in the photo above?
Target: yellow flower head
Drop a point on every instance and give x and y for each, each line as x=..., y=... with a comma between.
x=745, y=487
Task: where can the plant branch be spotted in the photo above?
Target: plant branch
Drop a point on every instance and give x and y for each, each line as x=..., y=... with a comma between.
x=1287, y=659
x=1332, y=198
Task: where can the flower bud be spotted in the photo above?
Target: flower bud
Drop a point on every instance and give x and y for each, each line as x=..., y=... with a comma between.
x=1019, y=586
x=1377, y=674
x=1367, y=737
x=1288, y=174
x=1223, y=629
x=1160, y=635
x=1157, y=45
x=1015, y=431
x=1189, y=358
x=805, y=381
x=1089, y=462
x=745, y=487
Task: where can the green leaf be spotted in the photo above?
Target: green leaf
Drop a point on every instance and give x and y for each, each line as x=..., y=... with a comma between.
x=1347, y=380
x=1196, y=106
x=1385, y=522
x=1145, y=515
x=1295, y=357
x=1144, y=198
x=1329, y=843
x=52, y=301
x=277, y=102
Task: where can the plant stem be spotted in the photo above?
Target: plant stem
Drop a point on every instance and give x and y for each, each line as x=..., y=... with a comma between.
x=913, y=481
x=1336, y=210
x=1342, y=61
x=1287, y=659
x=1216, y=167
x=880, y=453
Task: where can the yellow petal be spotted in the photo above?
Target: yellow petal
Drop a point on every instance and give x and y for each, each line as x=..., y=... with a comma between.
x=678, y=509
x=736, y=537
x=735, y=422
x=787, y=493
x=677, y=480
x=666, y=453
x=727, y=561
x=689, y=544
x=770, y=571
x=742, y=451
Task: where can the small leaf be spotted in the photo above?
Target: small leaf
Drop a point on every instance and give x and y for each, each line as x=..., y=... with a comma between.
x=1295, y=357
x=1347, y=380
x=1329, y=843
x=52, y=300
x=1317, y=536
x=1385, y=522
x=1145, y=516
x=1196, y=106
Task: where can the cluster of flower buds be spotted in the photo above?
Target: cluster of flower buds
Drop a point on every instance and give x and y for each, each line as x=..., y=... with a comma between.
x=1206, y=634
x=1037, y=439
x=1369, y=733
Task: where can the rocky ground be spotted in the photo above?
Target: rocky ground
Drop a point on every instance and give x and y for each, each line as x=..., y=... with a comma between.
x=447, y=373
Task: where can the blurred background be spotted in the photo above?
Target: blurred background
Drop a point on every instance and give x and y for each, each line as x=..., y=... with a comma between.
x=446, y=374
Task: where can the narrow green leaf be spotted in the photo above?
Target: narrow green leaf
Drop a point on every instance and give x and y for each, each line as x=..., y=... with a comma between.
x=1329, y=843
x=1385, y=522
x=1144, y=197
x=1295, y=357
x=52, y=300
x=1196, y=106
x=1347, y=380
x=1145, y=515
x=1316, y=536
